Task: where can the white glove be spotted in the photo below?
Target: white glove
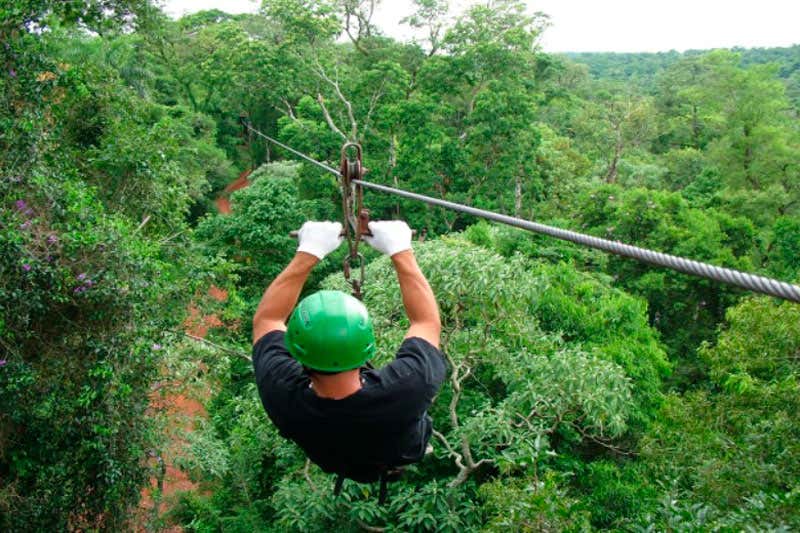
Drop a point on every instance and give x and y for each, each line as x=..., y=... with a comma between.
x=389, y=236
x=319, y=238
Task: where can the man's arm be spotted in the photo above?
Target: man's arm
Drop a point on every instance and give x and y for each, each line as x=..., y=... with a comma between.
x=393, y=238
x=281, y=296
x=316, y=240
x=418, y=299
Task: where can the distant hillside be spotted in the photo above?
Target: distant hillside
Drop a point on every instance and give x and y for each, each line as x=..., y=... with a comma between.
x=642, y=67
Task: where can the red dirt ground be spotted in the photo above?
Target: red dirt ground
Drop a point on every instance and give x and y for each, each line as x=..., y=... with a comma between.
x=181, y=410
x=223, y=202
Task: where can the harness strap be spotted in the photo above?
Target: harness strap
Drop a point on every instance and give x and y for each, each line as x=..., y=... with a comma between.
x=383, y=489
x=337, y=487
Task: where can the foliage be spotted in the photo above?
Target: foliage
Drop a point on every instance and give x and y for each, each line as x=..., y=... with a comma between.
x=532, y=506
x=256, y=235
x=85, y=299
x=734, y=444
x=784, y=248
x=665, y=222
x=119, y=131
x=528, y=392
x=96, y=271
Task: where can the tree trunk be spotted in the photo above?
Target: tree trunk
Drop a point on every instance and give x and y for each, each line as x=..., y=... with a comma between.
x=747, y=162
x=392, y=165
x=695, y=128
x=611, y=175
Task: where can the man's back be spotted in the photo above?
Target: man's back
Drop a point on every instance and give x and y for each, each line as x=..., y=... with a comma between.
x=353, y=422
x=383, y=424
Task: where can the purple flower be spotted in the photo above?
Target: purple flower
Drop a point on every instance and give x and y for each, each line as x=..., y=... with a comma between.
x=26, y=267
x=20, y=205
x=3, y=363
x=12, y=73
x=52, y=239
x=78, y=290
x=156, y=346
x=88, y=283
x=25, y=225
x=82, y=276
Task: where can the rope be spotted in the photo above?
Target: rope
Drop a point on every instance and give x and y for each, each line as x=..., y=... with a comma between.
x=753, y=282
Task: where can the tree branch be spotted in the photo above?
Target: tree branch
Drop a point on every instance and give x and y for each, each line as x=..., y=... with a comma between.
x=217, y=346
x=373, y=103
x=308, y=476
x=602, y=442
x=328, y=118
x=348, y=106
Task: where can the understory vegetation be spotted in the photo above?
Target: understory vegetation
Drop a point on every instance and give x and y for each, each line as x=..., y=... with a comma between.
x=585, y=391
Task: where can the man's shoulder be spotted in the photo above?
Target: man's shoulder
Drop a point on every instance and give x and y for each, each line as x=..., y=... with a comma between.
x=272, y=362
x=415, y=374
x=422, y=358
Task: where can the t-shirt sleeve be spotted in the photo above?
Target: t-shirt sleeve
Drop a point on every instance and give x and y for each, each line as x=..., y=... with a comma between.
x=273, y=363
x=421, y=357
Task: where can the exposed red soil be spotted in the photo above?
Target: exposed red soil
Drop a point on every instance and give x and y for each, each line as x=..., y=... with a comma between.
x=223, y=201
x=170, y=399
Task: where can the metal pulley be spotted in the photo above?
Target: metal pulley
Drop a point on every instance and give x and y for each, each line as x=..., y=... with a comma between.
x=356, y=218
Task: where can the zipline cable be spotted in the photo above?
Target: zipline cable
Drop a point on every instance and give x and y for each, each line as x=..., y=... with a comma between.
x=753, y=282
x=289, y=148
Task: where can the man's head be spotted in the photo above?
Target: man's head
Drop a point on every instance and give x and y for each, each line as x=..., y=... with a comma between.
x=330, y=331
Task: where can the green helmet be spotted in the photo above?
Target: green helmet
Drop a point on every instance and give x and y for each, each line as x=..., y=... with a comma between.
x=330, y=331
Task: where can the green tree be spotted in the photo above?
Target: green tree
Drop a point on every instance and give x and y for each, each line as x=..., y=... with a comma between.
x=255, y=236
x=733, y=446
x=86, y=300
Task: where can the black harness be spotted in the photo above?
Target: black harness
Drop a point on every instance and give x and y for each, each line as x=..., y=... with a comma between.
x=385, y=476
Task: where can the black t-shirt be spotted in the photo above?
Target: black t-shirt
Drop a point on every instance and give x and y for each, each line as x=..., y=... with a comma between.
x=383, y=424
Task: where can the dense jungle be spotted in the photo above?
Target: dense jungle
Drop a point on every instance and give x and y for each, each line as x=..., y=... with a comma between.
x=139, y=226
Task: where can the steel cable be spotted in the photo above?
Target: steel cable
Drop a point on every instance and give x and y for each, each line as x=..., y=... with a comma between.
x=753, y=282
x=292, y=150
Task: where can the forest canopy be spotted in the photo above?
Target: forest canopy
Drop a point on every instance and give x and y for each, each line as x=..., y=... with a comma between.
x=141, y=224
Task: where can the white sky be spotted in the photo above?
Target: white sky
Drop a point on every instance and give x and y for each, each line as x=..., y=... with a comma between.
x=612, y=25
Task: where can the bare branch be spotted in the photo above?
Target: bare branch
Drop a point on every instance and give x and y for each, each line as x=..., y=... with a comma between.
x=328, y=118
x=602, y=442
x=289, y=111
x=366, y=527
x=373, y=103
x=144, y=222
x=438, y=434
x=356, y=40
x=217, y=346
x=307, y=475
x=320, y=71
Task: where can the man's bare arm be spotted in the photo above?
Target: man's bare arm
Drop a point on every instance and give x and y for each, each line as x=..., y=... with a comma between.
x=316, y=240
x=418, y=299
x=281, y=296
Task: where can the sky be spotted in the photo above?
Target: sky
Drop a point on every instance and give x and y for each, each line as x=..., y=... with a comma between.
x=611, y=25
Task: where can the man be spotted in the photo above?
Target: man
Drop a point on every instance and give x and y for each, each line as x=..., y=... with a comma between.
x=352, y=421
